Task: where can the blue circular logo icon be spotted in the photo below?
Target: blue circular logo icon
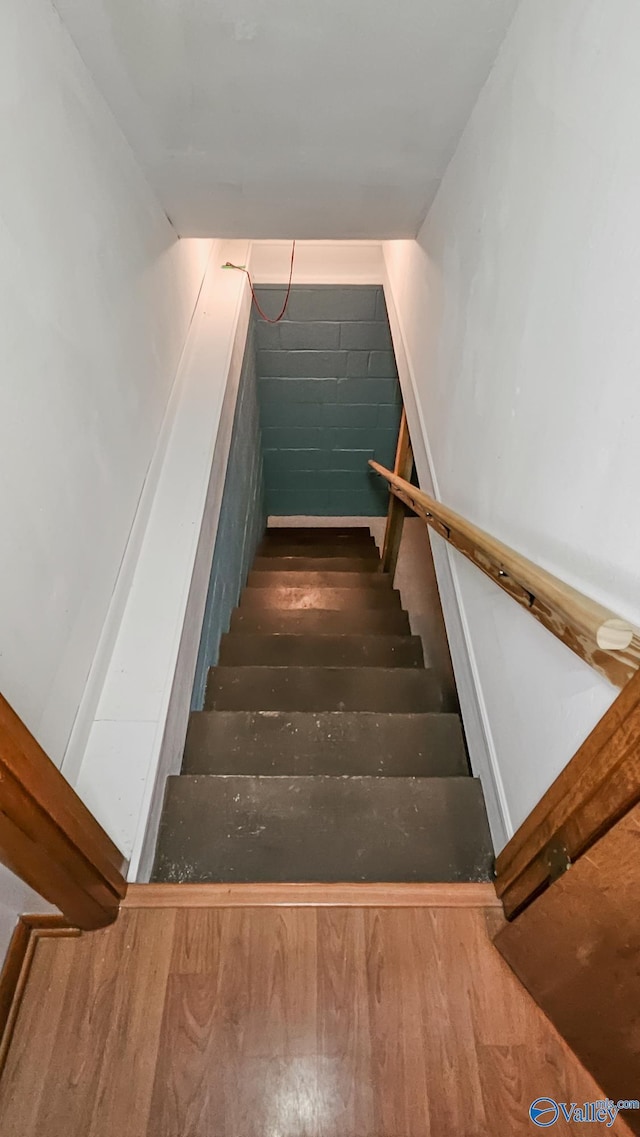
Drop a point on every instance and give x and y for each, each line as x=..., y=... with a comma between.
x=544, y=1112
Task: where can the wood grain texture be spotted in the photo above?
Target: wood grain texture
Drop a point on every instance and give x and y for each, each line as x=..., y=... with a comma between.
x=295, y=1022
x=577, y=950
x=17, y=965
x=598, y=786
x=300, y=895
x=608, y=643
x=47, y=835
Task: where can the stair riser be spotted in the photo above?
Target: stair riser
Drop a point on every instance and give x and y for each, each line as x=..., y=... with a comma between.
x=332, y=742
x=296, y=579
x=238, y=649
x=332, y=599
x=275, y=622
x=363, y=552
x=322, y=689
x=314, y=563
x=324, y=829
x=354, y=535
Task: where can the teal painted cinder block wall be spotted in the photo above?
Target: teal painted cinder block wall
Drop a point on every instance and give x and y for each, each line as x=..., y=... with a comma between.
x=241, y=523
x=329, y=399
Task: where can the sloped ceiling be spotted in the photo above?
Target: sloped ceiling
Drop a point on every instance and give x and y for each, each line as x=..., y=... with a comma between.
x=279, y=118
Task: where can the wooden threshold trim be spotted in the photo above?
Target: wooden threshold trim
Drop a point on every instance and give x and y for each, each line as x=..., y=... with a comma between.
x=17, y=965
x=303, y=895
x=599, y=785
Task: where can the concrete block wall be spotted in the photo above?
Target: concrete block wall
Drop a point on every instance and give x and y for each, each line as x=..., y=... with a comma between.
x=242, y=521
x=329, y=399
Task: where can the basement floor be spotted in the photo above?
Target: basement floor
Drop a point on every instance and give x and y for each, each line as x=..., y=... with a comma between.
x=284, y=1022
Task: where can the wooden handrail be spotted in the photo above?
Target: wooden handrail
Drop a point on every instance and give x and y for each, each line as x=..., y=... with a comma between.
x=608, y=643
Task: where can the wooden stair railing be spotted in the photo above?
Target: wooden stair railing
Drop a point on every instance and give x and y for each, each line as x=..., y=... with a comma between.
x=49, y=838
x=601, y=783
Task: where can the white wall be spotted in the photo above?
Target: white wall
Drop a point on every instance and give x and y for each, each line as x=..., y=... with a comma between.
x=518, y=310
x=96, y=295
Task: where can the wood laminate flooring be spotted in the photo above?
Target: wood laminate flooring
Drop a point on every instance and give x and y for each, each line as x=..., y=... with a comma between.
x=283, y=1022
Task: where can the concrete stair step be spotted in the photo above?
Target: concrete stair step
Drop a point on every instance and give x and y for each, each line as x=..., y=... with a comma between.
x=233, y=828
x=314, y=563
x=393, y=689
x=363, y=551
x=328, y=742
x=334, y=599
x=238, y=648
x=296, y=579
x=300, y=622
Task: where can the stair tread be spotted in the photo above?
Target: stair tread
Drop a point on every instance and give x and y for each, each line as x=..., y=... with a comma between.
x=312, y=562
x=326, y=742
x=373, y=621
x=226, y=828
x=239, y=648
x=249, y=688
x=336, y=599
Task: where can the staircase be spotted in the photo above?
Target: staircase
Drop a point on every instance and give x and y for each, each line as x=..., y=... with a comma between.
x=325, y=751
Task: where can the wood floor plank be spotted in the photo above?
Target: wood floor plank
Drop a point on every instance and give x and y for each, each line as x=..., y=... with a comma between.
x=397, y=1039
x=446, y=983
x=188, y=1093
x=283, y=1022
x=197, y=941
x=32, y=1045
x=108, y=1024
x=346, y=1093
x=134, y=1028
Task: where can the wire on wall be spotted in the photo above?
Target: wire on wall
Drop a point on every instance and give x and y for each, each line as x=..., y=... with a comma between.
x=269, y=319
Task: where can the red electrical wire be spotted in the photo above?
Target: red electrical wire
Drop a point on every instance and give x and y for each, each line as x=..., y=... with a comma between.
x=268, y=319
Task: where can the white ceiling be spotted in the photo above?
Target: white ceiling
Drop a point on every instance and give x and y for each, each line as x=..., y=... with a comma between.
x=280, y=118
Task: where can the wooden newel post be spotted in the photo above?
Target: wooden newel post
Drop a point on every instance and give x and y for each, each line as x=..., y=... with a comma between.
x=403, y=467
x=49, y=838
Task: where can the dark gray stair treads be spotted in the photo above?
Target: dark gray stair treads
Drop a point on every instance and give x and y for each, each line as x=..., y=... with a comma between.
x=323, y=829
x=273, y=621
x=329, y=742
x=326, y=534
x=312, y=563
x=293, y=578
x=238, y=648
x=363, y=552
x=323, y=689
x=336, y=599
